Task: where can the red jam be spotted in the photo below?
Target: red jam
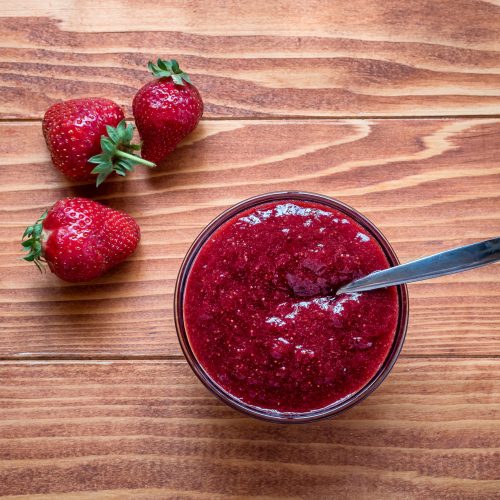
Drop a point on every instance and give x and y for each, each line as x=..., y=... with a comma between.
x=261, y=313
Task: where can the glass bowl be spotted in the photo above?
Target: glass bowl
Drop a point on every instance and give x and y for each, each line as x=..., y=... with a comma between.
x=271, y=415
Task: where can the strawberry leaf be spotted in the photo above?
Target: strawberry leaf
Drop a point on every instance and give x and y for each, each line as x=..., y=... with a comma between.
x=174, y=65
x=31, y=242
x=101, y=178
x=103, y=167
x=168, y=68
x=113, y=133
x=128, y=134
x=97, y=159
x=107, y=144
x=177, y=79
x=125, y=165
x=117, y=148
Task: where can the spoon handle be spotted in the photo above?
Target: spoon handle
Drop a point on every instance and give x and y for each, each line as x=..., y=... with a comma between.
x=449, y=262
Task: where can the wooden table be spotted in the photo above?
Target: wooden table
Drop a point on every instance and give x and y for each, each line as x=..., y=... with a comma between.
x=392, y=107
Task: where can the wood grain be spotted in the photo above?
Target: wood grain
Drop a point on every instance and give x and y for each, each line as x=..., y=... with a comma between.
x=294, y=99
x=324, y=58
x=432, y=430
x=428, y=184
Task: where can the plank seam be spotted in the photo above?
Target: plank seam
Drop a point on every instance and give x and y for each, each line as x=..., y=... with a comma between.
x=179, y=357
x=307, y=117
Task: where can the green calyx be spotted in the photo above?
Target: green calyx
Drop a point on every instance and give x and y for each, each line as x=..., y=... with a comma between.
x=117, y=153
x=31, y=242
x=164, y=69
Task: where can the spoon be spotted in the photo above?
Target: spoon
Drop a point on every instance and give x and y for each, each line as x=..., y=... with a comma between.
x=451, y=261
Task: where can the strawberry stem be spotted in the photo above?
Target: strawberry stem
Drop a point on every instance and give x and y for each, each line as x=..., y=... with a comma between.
x=117, y=153
x=136, y=159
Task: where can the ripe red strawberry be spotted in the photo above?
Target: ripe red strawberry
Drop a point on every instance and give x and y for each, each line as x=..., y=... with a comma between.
x=166, y=110
x=81, y=132
x=81, y=239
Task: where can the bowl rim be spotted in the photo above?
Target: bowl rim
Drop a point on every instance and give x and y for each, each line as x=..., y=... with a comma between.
x=271, y=415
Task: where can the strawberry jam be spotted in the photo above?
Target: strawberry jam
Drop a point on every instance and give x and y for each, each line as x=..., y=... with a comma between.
x=261, y=313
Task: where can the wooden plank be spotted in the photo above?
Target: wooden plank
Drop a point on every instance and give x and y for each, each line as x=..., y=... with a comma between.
x=428, y=184
x=432, y=430
x=326, y=58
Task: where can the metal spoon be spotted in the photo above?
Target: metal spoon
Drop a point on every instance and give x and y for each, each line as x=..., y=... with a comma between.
x=449, y=262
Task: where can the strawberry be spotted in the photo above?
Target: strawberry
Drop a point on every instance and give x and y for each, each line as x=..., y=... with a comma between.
x=166, y=110
x=83, y=132
x=80, y=239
